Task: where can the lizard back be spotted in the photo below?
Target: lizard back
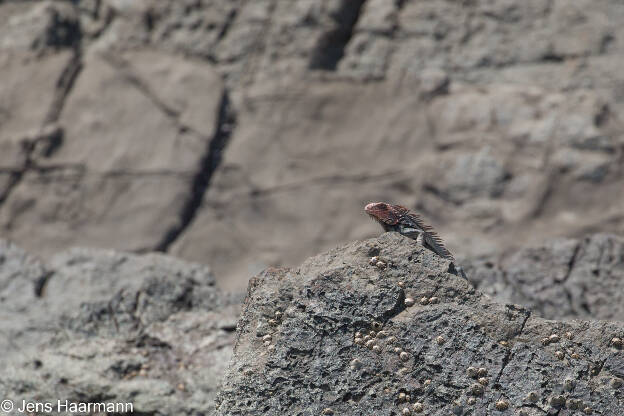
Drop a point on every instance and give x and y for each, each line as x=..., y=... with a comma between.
x=431, y=238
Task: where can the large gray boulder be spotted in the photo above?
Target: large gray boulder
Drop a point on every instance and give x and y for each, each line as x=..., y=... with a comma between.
x=379, y=327
x=113, y=327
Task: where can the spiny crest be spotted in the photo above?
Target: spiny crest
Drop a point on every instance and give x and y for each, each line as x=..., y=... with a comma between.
x=416, y=218
x=432, y=236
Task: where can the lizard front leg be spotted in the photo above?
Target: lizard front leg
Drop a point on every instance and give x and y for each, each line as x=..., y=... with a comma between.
x=420, y=239
x=414, y=234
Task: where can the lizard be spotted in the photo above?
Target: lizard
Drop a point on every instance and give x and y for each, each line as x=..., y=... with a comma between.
x=399, y=219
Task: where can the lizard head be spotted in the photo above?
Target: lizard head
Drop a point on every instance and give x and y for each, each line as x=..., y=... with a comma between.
x=387, y=215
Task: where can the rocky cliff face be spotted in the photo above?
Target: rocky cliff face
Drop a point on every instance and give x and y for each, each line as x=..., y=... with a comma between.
x=201, y=127
x=380, y=327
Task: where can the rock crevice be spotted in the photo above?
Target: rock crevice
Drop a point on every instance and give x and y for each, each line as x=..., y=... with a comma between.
x=209, y=163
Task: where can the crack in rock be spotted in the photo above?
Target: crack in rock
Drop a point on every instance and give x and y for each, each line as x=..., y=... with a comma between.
x=331, y=46
x=208, y=165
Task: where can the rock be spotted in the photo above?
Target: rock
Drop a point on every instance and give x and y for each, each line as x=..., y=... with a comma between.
x=561, y=279
x=40, y=27
x=56, y=202
x=149, y=330
x=150, y=160
x=471, y=176
x=22, y=277
x=193, y=27
x=176, y=126
x=367, y=57
x=28, y=94
x=6, y=181
x=305, y=367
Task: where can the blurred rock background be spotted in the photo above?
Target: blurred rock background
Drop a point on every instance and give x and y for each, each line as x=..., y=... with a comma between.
x=242, y=134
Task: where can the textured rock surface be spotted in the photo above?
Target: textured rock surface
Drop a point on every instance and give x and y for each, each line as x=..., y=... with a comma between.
x=562, y=279
x=21, y=279
x=139, y=167
x=202, y=127
x=305, y=347
x=154, y=331
x=149, y=330
x=26, y=97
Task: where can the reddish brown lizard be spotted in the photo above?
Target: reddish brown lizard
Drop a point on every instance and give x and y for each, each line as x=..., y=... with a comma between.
x=399, y=219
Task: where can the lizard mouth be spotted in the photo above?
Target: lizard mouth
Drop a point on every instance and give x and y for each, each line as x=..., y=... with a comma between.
x=379, y=220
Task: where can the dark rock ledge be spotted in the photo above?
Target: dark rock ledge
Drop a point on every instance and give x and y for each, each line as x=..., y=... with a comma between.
x=337, y=336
